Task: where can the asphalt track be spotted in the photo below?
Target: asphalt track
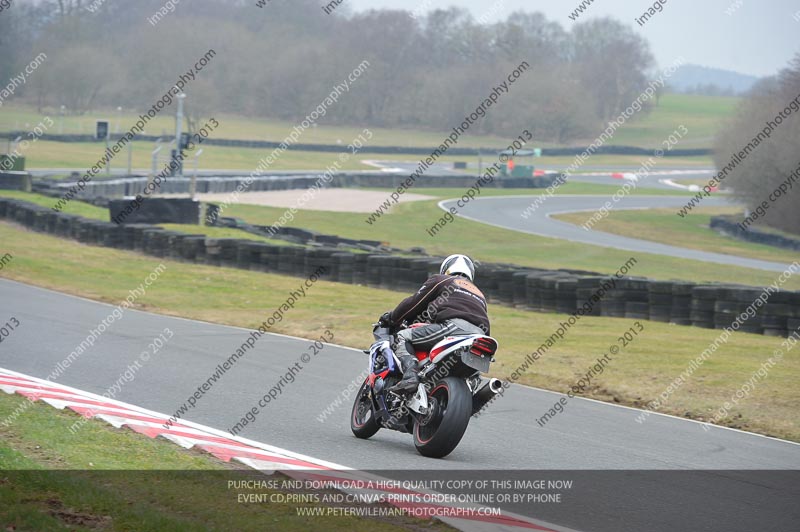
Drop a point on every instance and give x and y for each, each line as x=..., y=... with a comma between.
x=588, y=435
x=598, y=174
x=506, y=212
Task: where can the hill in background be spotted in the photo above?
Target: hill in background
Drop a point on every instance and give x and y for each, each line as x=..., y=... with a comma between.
x=711, y=81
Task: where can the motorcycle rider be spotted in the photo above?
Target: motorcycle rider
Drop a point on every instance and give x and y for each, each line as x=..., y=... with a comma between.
x=452, y=305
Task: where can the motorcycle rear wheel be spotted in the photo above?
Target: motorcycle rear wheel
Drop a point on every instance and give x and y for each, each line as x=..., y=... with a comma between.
x=362, y=418
x=439, y=433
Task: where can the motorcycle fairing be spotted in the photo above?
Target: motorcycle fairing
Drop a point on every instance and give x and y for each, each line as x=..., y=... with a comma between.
x=452, y=343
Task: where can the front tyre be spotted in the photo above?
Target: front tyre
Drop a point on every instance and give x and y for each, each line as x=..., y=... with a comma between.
x=439, y=432
x=362, y=418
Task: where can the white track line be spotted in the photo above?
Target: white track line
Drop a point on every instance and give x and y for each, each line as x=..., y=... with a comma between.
x=611, y=405
x=261, y=456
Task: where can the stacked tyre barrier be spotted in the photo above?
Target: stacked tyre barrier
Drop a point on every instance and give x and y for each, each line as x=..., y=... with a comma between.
x=680, y=311
x=15, y=181
x=297, y=235
x=730, y=226
x=711, y=306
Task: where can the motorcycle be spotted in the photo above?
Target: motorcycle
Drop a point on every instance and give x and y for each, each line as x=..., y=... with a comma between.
x=450, y=392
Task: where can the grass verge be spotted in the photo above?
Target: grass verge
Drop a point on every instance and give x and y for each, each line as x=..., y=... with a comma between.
x=108, y=479
x=405, y=226
x=702, y=115
x=237, y=297
x=81, y=156
x=100, y=213
x=661, y=225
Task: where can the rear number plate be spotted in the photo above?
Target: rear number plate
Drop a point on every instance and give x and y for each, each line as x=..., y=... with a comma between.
x=481, y=363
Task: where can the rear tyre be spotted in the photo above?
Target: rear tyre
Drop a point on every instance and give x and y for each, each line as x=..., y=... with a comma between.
x=437, y=434
x=362, y=418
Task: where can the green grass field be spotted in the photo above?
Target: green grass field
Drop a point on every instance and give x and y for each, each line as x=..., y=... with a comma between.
x=17, y=117
x=102, y=478
x=405, y=228
x=238, y=297
x=406, y=225
x=661, y=225
x=82, y=156
x=702, y=115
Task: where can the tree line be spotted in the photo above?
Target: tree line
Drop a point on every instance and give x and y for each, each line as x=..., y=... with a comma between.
x=280, y=60
x=766, y=131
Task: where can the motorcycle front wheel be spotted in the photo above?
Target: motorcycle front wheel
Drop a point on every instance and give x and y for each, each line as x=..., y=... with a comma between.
x=441, y=430
x=362, y=418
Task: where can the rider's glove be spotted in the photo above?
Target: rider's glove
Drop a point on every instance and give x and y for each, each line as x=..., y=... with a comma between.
x=385, y=319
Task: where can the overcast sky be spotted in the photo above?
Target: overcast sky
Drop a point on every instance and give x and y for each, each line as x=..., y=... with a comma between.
x=758, y=38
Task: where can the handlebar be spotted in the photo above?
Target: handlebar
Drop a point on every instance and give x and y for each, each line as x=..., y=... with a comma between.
x=381, y=333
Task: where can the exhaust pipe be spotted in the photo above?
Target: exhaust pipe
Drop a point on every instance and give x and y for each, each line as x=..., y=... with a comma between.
x=485, y=394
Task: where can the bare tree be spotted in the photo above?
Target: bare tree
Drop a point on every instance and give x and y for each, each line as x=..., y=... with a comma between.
x=612, y=58
x=770, y=161
x=281, y=62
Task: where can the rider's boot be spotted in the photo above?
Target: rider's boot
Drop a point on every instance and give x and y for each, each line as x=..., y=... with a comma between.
x=410, y=380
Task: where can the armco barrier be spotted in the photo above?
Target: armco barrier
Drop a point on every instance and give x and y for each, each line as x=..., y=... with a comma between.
x=730, y=226
x=131, y=186
x=410, y=150
x=565, y=291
